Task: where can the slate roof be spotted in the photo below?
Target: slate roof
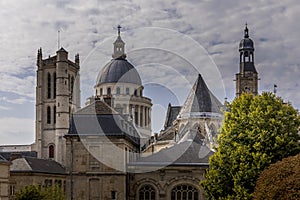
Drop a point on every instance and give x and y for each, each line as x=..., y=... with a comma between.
x=119, y=70
x=172, y=113
x=190, y=152
x=201, y=99
x=101, y=120
x=36, y=165
x=2, y=159
x=8, y=155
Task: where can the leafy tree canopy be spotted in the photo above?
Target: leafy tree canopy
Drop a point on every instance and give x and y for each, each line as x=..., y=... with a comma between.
x=34, y=192
x=256, y=131
x=280, y=180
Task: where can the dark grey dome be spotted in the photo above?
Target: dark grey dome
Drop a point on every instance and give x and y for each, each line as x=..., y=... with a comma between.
x=246, y=43
x=119, y=70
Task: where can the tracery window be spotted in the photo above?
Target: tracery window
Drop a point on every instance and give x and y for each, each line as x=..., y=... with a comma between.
x=184, y=192
x=147, y=192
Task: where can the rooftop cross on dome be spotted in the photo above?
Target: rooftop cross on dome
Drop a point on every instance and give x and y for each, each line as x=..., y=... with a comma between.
x=119, y=46
x=246, y=32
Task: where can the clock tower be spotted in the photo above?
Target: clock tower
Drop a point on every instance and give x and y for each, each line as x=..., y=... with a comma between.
x=247, y=78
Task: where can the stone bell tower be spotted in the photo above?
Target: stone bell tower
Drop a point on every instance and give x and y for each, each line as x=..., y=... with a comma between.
x=247, y=78
x=57, y=96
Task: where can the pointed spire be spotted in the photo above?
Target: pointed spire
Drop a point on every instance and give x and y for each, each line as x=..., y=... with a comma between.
x=200, y=100
x=246, y=34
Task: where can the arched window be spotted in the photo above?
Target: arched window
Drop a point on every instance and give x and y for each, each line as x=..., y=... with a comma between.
x=184, y=192
x=48, y=115
x=118, y=90
x=54, y=83
x=108, y=91
x=127, y=91
x=147, y=192
x=51, y=151
x=101, y=91
x=54, y=114
x=49, y=86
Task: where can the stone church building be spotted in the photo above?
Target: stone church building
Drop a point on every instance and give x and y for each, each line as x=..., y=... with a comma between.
x=105, y=150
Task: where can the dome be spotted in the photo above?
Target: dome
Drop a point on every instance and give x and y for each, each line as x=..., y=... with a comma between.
x=246, y=43
x=119, y=70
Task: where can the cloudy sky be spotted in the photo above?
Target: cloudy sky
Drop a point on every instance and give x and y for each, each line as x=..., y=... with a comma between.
x=169, y=42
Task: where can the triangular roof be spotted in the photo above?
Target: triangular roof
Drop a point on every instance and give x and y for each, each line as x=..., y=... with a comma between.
x=200, y=100
x=97, y=107
x=36, y=165
x=99, y=119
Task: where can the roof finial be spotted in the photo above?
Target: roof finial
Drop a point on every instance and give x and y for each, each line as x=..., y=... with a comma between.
x=246, y=35
x=119, y=28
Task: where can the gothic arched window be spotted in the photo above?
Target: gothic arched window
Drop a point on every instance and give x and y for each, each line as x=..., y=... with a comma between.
x=147, y=192
x=51, y=151
x=54, y=114
x=49, y=86
x=48, y=115
x=72, y=86
x=54, y=87
x=184, y=192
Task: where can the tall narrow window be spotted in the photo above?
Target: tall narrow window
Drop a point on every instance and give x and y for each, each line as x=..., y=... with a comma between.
x=49, y=86
x=113, y=195
x=118, y=90
x=108, y=91
x=72, y=86
x=101, y=91
x=51, y=151
x=147, y=192
x=127, y=91
x=54, y=114
x=54, y=85
x=48, y=115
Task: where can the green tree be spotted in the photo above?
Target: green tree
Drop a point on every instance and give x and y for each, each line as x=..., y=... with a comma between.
x=280, y=180
x=34, y=192
x=30, y=192
x=257, y=131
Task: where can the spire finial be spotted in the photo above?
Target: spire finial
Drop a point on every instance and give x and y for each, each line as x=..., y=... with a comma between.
x=246, y=35
x=119, y=28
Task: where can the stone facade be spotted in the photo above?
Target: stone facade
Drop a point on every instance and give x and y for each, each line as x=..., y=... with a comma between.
x=57, y=96
x=4, y=179
x=165, y=180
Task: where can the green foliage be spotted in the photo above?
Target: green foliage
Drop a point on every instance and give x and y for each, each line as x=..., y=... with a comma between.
x=30, y=192
x=279, y=181
x=34, y=192
x=256, y=132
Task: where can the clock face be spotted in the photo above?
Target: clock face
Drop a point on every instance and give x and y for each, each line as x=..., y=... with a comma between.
x=246, y=87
